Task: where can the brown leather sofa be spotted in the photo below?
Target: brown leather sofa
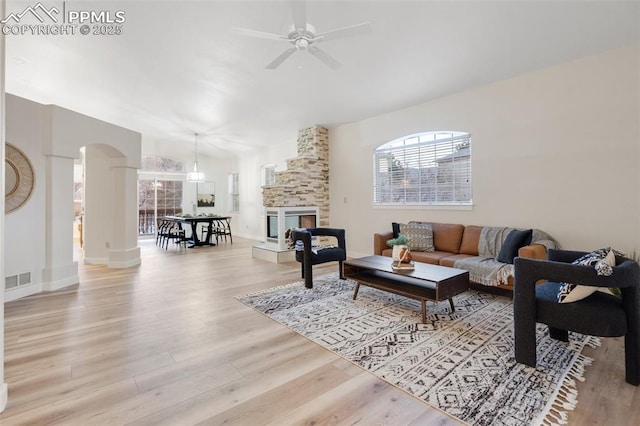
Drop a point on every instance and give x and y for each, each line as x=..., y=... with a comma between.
x=452, y=242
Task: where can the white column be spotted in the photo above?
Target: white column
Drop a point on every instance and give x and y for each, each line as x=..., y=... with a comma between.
x=124, y=250
x=98, y=220
x=60, y=270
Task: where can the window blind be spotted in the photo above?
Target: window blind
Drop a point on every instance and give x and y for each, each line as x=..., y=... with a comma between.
x=428, y=168
x=234, y=196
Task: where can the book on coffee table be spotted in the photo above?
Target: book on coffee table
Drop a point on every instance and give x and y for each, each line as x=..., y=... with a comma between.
x=402, y=266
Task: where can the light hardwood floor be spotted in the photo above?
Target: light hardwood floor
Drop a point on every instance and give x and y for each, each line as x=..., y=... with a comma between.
x=167, y=343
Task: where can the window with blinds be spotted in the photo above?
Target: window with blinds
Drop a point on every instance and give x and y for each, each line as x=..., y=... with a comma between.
x=234, y=196
x=426, y=168
x=269, y=174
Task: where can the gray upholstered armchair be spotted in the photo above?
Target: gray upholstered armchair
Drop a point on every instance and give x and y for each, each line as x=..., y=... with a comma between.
x=308, y=257
x=599, y=314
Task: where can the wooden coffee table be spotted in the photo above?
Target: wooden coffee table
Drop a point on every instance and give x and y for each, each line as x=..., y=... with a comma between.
x=424, y=282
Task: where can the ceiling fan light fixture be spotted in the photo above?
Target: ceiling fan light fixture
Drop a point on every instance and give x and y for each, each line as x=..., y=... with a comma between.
x=195, y=175
x=302, y=44
x=303, y=36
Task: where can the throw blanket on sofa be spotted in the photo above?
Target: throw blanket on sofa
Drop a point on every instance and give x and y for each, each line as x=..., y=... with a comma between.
x=542, y=238
x=491, y=239
x=485, y=269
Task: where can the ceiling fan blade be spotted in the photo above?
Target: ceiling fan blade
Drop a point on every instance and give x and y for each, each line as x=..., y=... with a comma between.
x=350, y=31
x=299, y=12
x=280, y=59
x=324, y=57
x=259, y=34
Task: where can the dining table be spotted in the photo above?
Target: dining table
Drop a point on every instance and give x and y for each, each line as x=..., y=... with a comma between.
x=194, y=221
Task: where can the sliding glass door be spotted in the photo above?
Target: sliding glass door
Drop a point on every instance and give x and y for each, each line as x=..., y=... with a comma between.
x=156, y=199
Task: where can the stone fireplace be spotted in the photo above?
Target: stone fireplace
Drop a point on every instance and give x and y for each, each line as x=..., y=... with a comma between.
x=300, y=195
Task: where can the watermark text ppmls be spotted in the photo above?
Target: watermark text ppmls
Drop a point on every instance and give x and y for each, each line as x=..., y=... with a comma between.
x=58, y=18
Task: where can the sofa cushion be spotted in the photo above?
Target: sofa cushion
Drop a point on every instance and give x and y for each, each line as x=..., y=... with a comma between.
x=515, y=239
x=380, y=241
x=420, y=236
x=470, y=239
x=432, y=257
x=446, y=236
x=450, y=260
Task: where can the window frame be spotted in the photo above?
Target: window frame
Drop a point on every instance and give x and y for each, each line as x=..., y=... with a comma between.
x=268, y=174
x=425, y=170
x=234, y=192
x=154, y=184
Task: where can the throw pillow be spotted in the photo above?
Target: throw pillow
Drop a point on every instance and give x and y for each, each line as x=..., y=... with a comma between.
x=297, y=244
x=603, y=260
x=420, y=236
x=605, y=266
x=515, y=239
x=396, y=229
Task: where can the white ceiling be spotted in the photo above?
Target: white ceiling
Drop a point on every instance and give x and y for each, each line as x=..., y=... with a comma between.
x=179, y=68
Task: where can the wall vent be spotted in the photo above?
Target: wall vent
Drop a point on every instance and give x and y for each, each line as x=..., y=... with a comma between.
x=24, y=278
x=13, y=281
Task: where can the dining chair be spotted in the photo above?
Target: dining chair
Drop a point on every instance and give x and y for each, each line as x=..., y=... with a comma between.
x=168, y=231
x=159, y=231
x=223, y=229
x=162, y=231
x=204, y=227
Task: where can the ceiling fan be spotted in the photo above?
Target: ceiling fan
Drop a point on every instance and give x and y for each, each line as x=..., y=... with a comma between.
x=303, y=36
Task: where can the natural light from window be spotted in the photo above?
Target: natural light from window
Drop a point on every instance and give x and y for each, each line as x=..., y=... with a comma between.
x=431, y=168
x=160, y=191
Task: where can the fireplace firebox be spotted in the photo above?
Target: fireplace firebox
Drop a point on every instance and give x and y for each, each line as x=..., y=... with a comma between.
x=279, y=219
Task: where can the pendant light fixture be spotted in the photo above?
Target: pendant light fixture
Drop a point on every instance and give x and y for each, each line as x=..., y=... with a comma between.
x=195, y=175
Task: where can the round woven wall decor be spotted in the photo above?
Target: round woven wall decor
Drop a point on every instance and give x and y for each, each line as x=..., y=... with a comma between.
x=19, y=179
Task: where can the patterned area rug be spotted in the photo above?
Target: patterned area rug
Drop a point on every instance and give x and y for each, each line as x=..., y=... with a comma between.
x=462, y=363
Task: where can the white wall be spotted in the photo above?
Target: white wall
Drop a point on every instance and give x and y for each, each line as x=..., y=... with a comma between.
x=251, y=221
x=40, y=232
x=216, y=170
x=25, y=227
x=556, y=149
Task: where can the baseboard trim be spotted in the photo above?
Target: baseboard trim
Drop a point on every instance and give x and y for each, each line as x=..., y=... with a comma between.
x=125, y=264
x=57, y=285
x=95, y=261
x=16, y=293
